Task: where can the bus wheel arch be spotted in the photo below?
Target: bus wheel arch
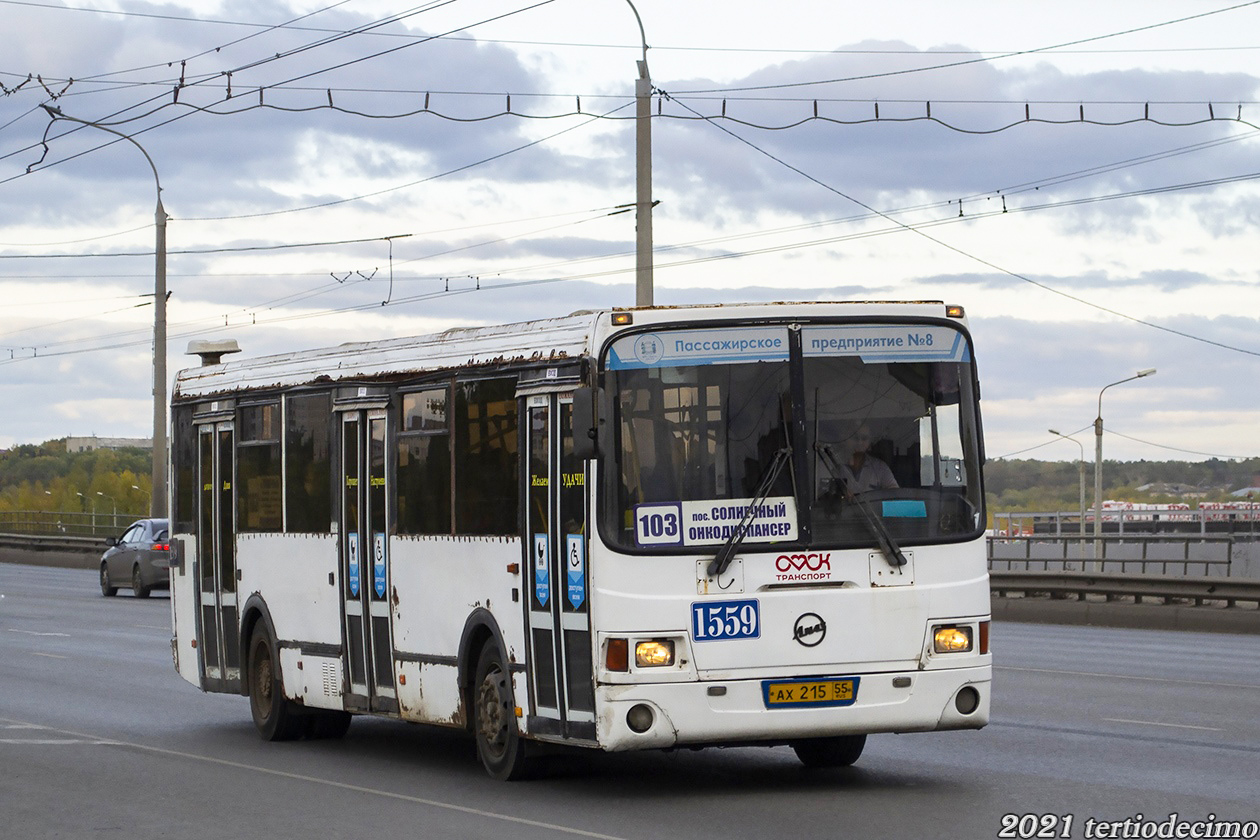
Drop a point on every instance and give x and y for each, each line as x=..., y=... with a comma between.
x=480, y=630
x=254, y=612
x=276, y=717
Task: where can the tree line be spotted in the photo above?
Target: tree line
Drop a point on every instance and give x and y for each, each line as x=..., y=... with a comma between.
x=46, y=477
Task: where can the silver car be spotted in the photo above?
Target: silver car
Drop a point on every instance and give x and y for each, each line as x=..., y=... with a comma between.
x=139, y=559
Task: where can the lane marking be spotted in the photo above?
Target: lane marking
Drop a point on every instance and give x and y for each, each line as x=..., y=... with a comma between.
x=1157, y=723
x=1251, y=686
x=49, y=655
x=52, y=742
x=35, y=633
x=385, y=794
x=153, y=626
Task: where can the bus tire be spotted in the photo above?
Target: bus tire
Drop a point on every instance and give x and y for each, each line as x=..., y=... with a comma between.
x=327, y=724
x=838, y=751
x=137, y=584
x=274, y=715
x=107, y=590
x=499, y=744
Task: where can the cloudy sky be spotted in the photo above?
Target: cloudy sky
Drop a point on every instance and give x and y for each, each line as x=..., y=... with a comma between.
x=1081, y=176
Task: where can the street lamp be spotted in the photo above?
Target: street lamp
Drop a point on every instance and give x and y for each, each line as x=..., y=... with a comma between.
x=643, y=175
x=157, y=505
x=113, y=522
x=87, y=499
x=1081, y=464
x=1098, y=432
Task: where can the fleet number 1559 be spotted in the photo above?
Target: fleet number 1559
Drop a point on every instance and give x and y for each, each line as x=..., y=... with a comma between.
x=721, y=620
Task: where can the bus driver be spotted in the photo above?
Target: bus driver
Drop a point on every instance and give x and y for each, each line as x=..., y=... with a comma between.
x=863, y=471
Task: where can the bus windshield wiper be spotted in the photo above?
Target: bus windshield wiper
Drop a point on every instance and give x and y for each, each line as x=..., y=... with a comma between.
x=727, y=552
x=887, y=545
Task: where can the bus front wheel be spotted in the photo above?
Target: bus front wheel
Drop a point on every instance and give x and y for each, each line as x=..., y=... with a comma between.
x=499, y=744
x=274, y=716
x=839, y=751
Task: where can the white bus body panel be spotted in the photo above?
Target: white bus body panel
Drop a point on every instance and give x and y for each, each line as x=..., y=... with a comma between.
x=297, y=577
x=184, y=612
x=438, y=582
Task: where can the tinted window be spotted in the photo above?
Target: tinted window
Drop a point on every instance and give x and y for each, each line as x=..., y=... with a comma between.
x=308, y=468
x=184, y=464
x=258, y=481
x=424, y=464
x=486, y=457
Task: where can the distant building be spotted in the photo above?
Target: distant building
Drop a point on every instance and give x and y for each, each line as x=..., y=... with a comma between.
x=1182, y=491
x=87, y=444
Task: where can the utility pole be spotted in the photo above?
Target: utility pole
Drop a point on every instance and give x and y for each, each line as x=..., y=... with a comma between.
x=643, y=283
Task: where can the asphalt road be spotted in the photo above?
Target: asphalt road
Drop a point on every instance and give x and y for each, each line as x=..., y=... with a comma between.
x=99, y=738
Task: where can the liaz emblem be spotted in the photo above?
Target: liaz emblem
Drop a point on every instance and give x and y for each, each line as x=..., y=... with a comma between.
x=809, y=630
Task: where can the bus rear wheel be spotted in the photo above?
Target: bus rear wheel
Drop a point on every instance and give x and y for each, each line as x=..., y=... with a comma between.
x=839, y=751
x=499, y=744
x=274, y=715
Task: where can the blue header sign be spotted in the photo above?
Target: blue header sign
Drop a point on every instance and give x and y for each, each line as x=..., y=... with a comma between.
x=677, y=348
x=888, y=343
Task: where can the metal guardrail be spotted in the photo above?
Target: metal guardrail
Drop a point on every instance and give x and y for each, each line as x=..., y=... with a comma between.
x=38, y=543
x=66, y=523
x=1113, y=586
x=1201, y=546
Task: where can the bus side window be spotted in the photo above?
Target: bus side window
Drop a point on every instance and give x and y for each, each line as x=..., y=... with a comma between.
x=424, y=463
x=308, y=467
x=486, y=457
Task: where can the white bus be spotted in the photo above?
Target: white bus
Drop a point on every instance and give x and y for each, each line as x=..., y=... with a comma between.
x=640, y=529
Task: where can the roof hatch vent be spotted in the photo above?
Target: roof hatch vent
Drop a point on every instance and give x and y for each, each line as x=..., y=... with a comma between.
x=212, y=352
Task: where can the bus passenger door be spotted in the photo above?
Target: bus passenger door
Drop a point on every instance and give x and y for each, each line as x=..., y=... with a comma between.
x=364, y=545
x=218, y=625
x=562, y=692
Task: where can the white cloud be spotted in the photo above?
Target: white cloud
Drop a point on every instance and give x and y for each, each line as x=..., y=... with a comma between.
x=732, y=224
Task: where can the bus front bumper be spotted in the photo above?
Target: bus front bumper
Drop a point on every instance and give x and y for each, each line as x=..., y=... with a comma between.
x=736, y=712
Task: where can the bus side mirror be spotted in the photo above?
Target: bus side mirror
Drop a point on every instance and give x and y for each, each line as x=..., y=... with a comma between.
x=585, y=436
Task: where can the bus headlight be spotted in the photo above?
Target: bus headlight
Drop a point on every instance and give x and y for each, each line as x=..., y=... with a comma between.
x=951, y=639
x=654, y=653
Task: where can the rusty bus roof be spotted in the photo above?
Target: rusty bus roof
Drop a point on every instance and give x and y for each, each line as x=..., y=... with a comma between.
x=551, y=340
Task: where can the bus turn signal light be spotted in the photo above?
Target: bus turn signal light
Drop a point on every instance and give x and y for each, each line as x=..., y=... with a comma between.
x=617, y=656
x=951, y=639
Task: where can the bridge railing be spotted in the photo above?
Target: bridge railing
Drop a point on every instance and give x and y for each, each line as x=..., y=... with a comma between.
x=1176, y=554
x=1168, y=589
x=66, y=523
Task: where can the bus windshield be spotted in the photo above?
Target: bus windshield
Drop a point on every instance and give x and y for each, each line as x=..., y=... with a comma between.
x=879, y=424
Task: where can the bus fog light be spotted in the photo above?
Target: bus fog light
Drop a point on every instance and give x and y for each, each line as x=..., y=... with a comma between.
x=951, y=639
x=654, y=653
x=967, y=700
x=639, y=718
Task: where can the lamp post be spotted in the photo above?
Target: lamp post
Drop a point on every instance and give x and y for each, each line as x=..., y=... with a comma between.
x=113, y=521
x=157, y=504
x=87, y=499
x=1098, y=432
x=1081, y=465
x=643, y=286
